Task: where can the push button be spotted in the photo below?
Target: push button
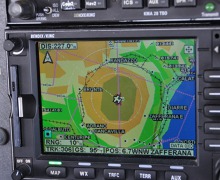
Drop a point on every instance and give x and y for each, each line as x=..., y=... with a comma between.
x=148, y=175
x=210, y=7
x=70, y=5
x=212, y=111
x=114, y=174
x=175, y=176
x=212, y=128
x=132, y=4
x=212, y=76
x=212, y=145
x=212, y=93
x=184, y=3
x=158, y=3
x=95, y=4
x=84, y=173
x=56, y=172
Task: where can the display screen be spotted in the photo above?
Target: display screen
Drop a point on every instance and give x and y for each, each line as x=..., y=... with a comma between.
x=119, y=97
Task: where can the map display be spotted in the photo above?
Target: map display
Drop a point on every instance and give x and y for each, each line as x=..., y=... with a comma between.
x=119, y=97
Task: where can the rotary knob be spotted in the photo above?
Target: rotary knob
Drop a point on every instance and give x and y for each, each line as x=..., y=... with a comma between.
x=21, y=172
x=3, y=136
x=14, y=44
x=23, y=9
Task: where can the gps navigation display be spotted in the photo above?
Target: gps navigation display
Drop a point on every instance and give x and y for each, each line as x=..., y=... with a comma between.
x=126, y=97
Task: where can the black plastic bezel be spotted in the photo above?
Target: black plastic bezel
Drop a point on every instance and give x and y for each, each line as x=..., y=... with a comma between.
x=28, y=74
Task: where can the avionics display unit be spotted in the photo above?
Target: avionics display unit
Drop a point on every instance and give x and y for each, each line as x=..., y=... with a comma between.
x=114, y=103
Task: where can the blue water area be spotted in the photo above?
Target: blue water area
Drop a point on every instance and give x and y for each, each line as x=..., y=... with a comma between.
x=188, y=130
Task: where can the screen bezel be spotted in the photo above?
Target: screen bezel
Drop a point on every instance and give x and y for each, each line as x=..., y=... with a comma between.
x=105, y=35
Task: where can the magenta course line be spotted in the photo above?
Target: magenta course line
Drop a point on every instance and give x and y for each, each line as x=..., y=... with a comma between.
x=55, y=68
x=119, y=105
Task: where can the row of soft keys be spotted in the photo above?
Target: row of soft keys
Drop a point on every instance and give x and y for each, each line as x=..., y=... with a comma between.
x=111, y=174
x=68, y=5
x=212, y=110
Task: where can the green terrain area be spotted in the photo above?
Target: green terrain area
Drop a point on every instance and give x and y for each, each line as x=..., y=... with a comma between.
x=109, y=108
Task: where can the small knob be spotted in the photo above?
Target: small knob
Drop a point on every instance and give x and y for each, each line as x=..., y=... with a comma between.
x=48, y=10
x=23, y=9
x=13, y=44
x=3, y=136
x=21, y=172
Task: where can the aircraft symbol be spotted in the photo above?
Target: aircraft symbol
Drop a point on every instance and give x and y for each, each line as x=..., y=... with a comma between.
x=117, y=99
